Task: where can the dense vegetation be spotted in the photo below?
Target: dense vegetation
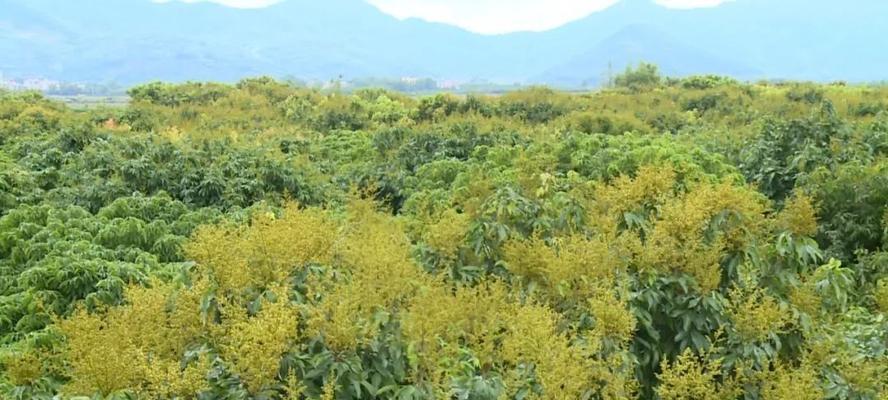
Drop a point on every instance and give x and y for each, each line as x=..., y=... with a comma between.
x=675, y=239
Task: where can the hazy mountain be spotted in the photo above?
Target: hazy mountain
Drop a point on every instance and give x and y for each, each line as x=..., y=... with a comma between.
x=137, y=40
x=638, y=43
x=794, y=39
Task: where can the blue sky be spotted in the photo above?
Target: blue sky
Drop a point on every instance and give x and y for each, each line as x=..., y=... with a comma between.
x=490, y=16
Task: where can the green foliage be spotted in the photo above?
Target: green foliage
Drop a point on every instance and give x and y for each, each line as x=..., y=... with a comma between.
x=851, y=199
x=54, y=257
x=168, y=95
x=535, y=105
x=645, y=75
x=789, y=150
x=693, y=238
x=703, y=82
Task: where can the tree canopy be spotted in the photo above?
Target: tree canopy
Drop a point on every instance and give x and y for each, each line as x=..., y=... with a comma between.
x=699, y=239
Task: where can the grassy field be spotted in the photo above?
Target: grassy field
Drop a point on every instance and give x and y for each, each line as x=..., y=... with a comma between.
x=82, y=102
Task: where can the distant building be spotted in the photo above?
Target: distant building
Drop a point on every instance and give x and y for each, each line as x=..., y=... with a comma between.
x=38, y=84
x=5, y=83
x=448, y=85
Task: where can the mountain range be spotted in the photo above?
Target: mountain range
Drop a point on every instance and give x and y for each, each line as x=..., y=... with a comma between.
x=131, y=41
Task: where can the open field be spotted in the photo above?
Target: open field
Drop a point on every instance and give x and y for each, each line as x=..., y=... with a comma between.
x=87, y=102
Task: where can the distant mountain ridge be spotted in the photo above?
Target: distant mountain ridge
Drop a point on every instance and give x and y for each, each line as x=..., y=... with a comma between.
x=637, y=43
x=130, y=41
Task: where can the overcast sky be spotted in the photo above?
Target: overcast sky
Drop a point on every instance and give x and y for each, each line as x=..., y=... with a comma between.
x=491, y=16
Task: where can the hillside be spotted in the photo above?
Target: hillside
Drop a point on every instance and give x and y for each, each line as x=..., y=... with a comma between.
x=636, y=44
x=137, y=40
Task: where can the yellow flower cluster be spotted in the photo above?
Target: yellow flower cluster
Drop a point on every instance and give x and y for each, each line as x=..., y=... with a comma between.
x=881, y=295
x=573, y=261
x=369, y=276
x=267, y=251
x=22, y=367
x=575, y=268
x=684, y=238
x=612, y=317
x=254, y=345
x=440, y=319
x=504, y=333
x=693, y=377
x=791, y=382
x=144, y=340
x=533, y=339
x=375, y=256
x=447, y=233
x=806, y=299
x=756, y=315
x=651, y=186
x=136, y=346
x=500, y=330
x=798, y=216
x=687, y=230
x=864, y=375
x=329, y=390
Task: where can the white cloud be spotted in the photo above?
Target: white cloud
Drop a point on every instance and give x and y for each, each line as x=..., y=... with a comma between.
x=502, y=16
x=690, y=3
x=231, y=3
x=487, y=16
x=495, y=16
